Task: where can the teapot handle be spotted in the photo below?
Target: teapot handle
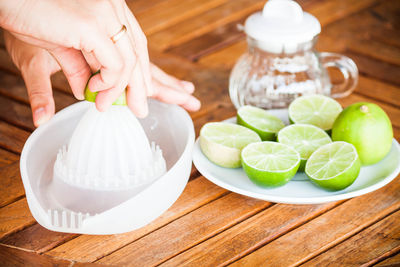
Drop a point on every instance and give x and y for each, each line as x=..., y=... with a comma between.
x=347, y=67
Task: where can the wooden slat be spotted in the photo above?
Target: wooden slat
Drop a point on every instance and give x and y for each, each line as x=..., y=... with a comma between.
x=377, y=69
x=225, y=58
x=165, y=13
x=379, y=90
x=329, y=11
x=327, y=230
x=12, y=138
x=209, y=42
x=209, y=20
x=7, y=158
x=365, y=247
x=16, y=257
x=248, y=235
x=36, y=238
x=14, y=217
x=187, y=231
x=391, y=261
x=377, y=50
x=11, y=187
x=138, y=6
x=388, y=11
x=16, y=113
x=197, y=193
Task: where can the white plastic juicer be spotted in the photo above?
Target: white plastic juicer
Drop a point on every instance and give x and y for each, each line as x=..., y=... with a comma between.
x=107, y=178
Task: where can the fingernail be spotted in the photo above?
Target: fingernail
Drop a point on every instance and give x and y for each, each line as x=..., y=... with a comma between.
x=40, y=116
x=189, y=87
x=80, y=97
x=195, y=104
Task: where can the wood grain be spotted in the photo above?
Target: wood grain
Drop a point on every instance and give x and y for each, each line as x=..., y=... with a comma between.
x=187, y=231
x=391, y=261
x=12, y=257
x=248, y=235
x=15, y=217
x=164, y=14
x=197, y=193
x=226, y=13
x=379, y=90
x=16, y=113
x=11, y=188
x=197, y=40
x=12, y=138
x=336, y=225
x=365, y=247
x=377, y=69
x=36, y=238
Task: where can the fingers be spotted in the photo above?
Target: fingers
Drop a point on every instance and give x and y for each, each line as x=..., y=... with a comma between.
x=118, y=81
x=140, y=45
x=170, y=81
x=111, y=63
x=75, y=68
x=40, y=95
x=136, y=96
x=170, y=95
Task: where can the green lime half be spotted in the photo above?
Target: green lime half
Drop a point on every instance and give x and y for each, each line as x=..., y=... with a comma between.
x=222, y=142
x=334, y=166
x=91, y=96
x=260, y=121
x=318, y=110
x=270, y=164
x=304, y=138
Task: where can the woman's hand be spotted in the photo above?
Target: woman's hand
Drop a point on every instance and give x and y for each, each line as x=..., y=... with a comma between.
x=77, y=34
x=37, y=65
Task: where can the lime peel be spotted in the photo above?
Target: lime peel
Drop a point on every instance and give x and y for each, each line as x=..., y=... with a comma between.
x=260, y=121
x=222, y=142
x=339, y=171
x=281, y=163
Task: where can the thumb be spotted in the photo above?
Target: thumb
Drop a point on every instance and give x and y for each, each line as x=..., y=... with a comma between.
x=40, y=95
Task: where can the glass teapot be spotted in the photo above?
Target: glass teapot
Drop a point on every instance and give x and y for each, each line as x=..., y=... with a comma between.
x=281, y=62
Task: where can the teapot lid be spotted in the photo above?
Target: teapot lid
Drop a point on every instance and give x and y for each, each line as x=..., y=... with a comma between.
x=282, y=25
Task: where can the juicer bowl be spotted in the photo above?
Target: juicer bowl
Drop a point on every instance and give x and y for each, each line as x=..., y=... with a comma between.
x=65, y=208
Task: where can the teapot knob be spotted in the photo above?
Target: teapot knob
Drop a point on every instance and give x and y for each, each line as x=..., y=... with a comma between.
x=283, y=10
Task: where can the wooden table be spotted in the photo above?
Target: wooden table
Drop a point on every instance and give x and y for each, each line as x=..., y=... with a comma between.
x=208, y=225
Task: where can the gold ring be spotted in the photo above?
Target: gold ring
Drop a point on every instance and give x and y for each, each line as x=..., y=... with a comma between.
x=118, y=35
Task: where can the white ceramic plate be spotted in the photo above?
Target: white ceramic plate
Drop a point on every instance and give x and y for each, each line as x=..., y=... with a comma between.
x=299, y=190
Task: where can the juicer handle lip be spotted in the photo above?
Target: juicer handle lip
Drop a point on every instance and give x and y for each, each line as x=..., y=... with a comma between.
x=347, y=67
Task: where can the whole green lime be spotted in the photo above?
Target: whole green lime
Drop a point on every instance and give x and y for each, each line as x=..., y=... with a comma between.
x=368, y=128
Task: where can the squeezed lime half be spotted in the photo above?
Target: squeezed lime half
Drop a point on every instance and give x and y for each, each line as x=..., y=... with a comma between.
x=222, y=142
